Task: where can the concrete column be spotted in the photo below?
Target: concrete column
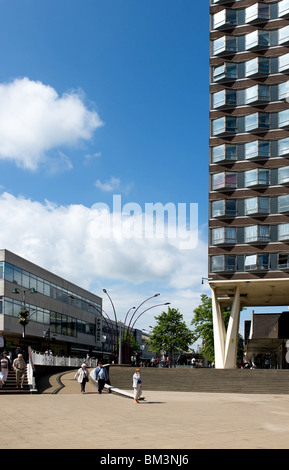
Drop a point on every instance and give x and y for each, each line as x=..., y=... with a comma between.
x=226, y=342
x=219, y=332
x=231, y=345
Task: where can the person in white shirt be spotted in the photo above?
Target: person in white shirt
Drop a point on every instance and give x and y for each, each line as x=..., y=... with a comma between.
x=82, y=376
x=137, y=385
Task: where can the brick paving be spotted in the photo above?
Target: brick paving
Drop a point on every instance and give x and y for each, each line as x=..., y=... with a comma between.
x=165, y=420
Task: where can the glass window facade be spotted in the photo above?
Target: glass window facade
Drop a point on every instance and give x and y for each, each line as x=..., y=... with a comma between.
x=257, y=177
x=283, y=203
x=224, y=125
x=223, y=263
x=249, y=139
x=283, y=232
x=225, y=180
x=283, y=175
x=224, y=45
x=257, y=205
x=257, y=39
x=225, y=152
x=225, y=72
x=257, y=121
x=283, y=63
x=257, y=12
x=224, y=235
x=22, y=278
x=225, y=18
x=257, y=261
x=283, y=8
x=257, y=148
x=257, y=233
x=283, y=260
x=224, y=207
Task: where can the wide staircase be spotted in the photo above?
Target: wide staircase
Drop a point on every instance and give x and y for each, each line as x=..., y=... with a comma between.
x=10, y=385
x=203, y=380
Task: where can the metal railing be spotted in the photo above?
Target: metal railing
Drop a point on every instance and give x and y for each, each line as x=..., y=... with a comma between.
x=40, y=359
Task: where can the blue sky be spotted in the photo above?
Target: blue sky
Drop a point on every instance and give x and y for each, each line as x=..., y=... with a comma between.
x=143, y=66
x=103, y=98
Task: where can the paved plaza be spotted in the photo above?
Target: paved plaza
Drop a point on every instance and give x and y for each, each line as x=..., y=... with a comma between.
x=165, y=420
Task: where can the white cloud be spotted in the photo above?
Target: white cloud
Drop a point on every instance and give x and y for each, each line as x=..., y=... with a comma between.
x=113, y=184
x=34, y=120
x=67, y=241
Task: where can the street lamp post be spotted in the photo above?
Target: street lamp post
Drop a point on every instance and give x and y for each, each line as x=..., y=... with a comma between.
x=127, y=330
x=24, y=313
x=118, y=333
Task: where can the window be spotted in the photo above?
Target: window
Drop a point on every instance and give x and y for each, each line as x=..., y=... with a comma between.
x=224, y=98
x=257, y=121
x=283, y=203
x=283, y=8
x=283, y=117
x=283, y=35
x=256, y=13
x=257, y=40
x=283, y=146
x=258, y=66
x=283, y=89
x=225, y=125
x=225, y=72
x=257, y=149
x=260, y=261
x=257, y=177
x=225, y=45
x=224, y=207
x=257, y=205
x=223, y=263
x=283, y=260
x=257, y=94
x=283, y=232
x=225, y=18
x=225, y=152
x=225, y=180
x=257, y=233
x=223, y=235
x=283, y=175
x=283, y=63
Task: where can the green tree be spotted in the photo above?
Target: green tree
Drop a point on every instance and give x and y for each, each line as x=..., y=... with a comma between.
x=170, y=335
x=203, y=327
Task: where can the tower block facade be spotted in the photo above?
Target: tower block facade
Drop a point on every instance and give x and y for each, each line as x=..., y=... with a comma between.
x=249, y=162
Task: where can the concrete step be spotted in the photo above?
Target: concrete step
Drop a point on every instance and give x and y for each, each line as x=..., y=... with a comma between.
x=10, y=385
x=204, y=380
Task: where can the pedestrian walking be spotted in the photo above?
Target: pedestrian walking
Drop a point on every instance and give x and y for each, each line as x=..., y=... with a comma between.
x=82, y=376
x=5, y=366
x=137, y=385
x=19, y=365
x=101, y=375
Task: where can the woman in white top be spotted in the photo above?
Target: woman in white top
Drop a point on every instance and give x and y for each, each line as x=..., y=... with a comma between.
x=137, y=385
x=82, y=376
x=4, y=369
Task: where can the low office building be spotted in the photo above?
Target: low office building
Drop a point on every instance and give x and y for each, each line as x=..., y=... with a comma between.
x=62, y=316
x=267, y=340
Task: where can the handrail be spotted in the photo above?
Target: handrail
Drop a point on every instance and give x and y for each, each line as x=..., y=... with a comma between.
x=30, y=370
x=41, y=359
